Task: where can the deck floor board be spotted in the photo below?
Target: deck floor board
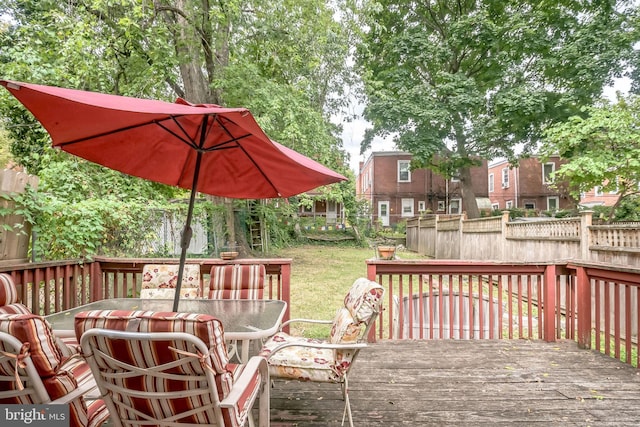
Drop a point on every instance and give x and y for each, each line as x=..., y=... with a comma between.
x=479, y=383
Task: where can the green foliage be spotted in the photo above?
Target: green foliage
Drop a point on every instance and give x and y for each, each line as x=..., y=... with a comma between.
x=284, y=60
x=453, y=81
x=627, y=210
x=602, y=147
x=106, y=226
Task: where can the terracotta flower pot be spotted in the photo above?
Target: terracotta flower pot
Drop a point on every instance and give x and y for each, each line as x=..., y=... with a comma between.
x=386, y=252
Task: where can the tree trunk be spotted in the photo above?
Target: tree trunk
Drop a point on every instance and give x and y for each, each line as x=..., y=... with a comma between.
x=469, y=204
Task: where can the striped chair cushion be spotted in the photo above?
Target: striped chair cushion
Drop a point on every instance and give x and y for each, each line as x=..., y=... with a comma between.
x=159, y=279
x=207, y=328
x=150, y=356
x=59, y=376
x=8, y=291
x=45, y=353
x=15, y=308
x=237, y=281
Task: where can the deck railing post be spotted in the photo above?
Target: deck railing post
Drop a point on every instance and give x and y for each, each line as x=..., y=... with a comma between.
x=549, y=303
x=583, y=286
x=285, y=277
x=96, y=282
x=371, y=275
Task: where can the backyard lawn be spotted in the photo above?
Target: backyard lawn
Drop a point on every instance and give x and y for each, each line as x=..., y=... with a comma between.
x=320, y=278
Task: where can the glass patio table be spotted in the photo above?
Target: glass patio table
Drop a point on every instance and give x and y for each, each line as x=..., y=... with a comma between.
x=242, y=320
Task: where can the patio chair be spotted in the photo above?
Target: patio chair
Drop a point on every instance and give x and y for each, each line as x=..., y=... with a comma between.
x=237, y=281
x=33, y=370
x=160, y=280
x=329, y=360
x=9, y=305
x=170, y=369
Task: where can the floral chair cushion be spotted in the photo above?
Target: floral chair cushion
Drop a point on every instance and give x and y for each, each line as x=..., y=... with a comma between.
x=363, y=299
x=305, y=363
x=160, y=280
x=237, y=281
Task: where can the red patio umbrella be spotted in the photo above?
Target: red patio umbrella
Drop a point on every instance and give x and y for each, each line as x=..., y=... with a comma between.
x=205, y=148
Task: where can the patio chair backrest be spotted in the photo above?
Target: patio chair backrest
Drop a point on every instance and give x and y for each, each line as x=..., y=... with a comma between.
x=160, y=280
x=361, y=305
x=9, y=297
x=237, y=281
x=45, y=375
x=8, y=291
x=154, y=366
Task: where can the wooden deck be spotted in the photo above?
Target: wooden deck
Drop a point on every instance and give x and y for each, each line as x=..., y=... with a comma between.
x=477, y=383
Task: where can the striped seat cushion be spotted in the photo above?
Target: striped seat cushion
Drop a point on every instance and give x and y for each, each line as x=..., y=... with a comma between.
x=30, y=328
x=207, y=328
x=237, y=281
x=149, y=356
x=60, y=375
x=8, y=291
x=15, y=308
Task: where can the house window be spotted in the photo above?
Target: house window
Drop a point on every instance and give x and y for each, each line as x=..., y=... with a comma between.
x=440, y=205
x=454, y=206
x=547, y=170
x=553, y=203
x=404, y=174
x=597, y=191
x=495, y=206
x=490, y=183
x=529, y=205
x=509, y=204
x=505, y=177
x=615, y=190
x=407, y=207
x=422, y=206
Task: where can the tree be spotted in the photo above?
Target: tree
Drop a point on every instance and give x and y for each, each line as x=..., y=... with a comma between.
x=454, y=81
x=284, y=60
x=602, y=147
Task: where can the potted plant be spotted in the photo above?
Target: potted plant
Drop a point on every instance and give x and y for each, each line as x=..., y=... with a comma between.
x=386, y=252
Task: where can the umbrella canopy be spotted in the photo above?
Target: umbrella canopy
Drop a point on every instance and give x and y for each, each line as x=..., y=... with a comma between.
x=205, y=148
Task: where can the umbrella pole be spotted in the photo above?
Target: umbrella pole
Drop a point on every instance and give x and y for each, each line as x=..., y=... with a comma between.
x=187, y=232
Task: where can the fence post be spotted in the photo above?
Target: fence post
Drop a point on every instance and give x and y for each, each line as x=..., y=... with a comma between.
x=461, y=221
x=583, y=286
x=549, y=303
x=436, y=237
x=503, y=235
x=586, y=219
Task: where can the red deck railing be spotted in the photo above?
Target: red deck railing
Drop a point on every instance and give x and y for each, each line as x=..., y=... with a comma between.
x=54, y=286
x=595, y=304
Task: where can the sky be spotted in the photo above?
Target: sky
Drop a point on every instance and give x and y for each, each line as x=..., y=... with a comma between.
x=353, y=132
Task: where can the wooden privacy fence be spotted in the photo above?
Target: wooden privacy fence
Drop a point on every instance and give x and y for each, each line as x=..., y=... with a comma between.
x=15, y=232
x=533, y=240
x=594, y=304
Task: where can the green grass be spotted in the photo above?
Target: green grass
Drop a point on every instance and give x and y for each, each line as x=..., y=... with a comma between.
x=321, y=275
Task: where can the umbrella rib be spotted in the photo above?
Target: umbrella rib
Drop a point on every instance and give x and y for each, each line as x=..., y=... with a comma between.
x=261, y=171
